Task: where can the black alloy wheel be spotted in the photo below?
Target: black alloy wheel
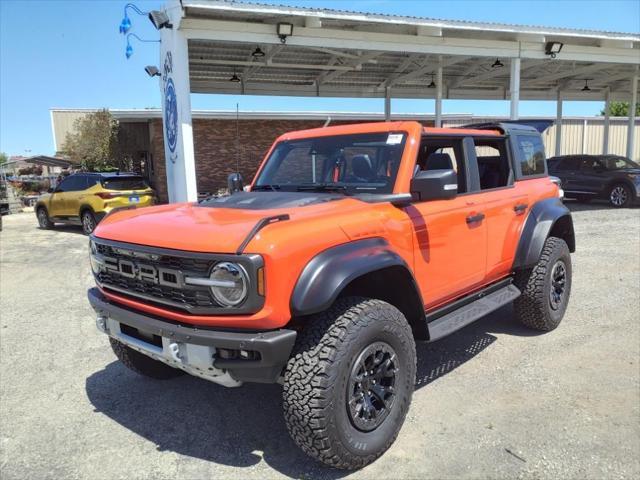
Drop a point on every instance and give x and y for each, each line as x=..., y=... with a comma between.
x=558, y=285
x=371, y=391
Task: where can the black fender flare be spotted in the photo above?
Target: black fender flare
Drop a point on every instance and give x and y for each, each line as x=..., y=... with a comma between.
x=329, y=272
x=543, y=217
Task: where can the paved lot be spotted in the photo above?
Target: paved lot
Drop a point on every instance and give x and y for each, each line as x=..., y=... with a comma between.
x=492, y=401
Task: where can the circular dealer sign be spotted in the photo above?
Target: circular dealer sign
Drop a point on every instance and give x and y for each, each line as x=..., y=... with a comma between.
x=171, y=115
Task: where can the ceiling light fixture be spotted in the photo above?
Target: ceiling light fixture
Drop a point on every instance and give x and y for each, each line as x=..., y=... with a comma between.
x=257, y=53
x=497, y=64
x=432, y=84
x=235, y=78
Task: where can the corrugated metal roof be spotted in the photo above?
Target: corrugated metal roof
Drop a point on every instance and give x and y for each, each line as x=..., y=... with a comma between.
x=359, y=16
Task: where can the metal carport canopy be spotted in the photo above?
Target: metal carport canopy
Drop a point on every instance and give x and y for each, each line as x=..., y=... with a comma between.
x=343, y=54
x=334, y=53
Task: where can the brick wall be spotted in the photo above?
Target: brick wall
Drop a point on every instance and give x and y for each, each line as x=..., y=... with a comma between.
x=215, y=149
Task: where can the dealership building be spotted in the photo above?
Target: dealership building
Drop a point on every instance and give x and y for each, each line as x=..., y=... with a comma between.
x=217, y=148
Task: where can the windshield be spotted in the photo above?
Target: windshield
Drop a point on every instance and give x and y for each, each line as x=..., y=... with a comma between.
x=125, y=183
x=361, y=163
x=614, y=163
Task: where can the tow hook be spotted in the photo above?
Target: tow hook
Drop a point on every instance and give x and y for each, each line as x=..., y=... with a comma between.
x=174, y=349
x=101, y=323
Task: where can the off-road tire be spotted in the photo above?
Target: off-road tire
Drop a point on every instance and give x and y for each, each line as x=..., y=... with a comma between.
x=88, y=220
x=43, y=218
x=620, y=196
x=143, y=364
x=534, y=307
x=318, y=376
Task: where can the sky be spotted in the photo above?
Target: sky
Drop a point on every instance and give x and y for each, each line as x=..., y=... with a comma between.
x=69, y=54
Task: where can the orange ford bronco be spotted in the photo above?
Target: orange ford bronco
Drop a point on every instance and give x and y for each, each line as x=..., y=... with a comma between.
x=351, y=244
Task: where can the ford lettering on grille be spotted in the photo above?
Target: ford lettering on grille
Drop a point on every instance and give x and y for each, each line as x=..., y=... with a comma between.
x=148, y=273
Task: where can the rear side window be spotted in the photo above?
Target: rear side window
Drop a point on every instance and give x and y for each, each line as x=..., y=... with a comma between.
x=124, y=183
x=530, y=155
x=567, y=164
x=74, y=183
x=493, y=162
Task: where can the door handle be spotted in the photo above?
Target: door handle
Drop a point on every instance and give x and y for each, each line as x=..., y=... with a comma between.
x=520, y=208
x=478, y=217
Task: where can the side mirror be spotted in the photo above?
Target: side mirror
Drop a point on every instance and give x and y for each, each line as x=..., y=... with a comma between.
x=434, y=185
x=235, y=183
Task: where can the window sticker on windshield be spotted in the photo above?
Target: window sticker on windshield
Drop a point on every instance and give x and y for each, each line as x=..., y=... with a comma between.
x=395, y=138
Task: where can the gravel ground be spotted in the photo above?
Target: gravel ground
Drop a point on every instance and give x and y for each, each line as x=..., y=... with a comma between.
x=492, y=401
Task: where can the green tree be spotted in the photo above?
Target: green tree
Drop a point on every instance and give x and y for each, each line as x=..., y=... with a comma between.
x=3, y=158
x=94, y=143
x=620, y=109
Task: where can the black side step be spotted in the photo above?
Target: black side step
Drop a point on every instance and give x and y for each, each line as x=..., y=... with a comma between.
x=471, y=312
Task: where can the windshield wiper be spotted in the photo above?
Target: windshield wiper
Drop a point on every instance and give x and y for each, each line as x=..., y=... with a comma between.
x=265, y=187
x=322, y=187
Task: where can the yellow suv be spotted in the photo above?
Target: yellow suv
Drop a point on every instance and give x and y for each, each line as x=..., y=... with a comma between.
x=85, y=198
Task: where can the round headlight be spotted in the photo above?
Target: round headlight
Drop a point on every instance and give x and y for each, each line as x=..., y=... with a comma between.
x=232, y=284
x=95, y=264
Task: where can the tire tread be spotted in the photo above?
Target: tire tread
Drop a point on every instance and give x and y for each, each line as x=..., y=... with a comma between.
x=311, y=371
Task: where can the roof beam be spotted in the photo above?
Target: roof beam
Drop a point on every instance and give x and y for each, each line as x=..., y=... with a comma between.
x=353, y=64
x=339, y=53
x=470, y=70
x=569, y=73
x=428, y=31
x=494, y=72
x=260, y=33
x=426, y=69
x=297, y=66
x=406, y=63
x=272, y=51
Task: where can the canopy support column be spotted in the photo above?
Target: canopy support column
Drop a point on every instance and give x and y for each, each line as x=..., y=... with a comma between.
x=176, y=114
x=632, y=116
x=438, y=109
x=387, y=104
x=515, y=88
x=558, y=122
x=607, y=115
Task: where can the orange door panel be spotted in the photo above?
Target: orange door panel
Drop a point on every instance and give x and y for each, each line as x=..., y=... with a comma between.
x=450, y=241
x=505, y=210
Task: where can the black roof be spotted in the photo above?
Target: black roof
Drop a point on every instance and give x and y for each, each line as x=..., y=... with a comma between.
x=512, y=125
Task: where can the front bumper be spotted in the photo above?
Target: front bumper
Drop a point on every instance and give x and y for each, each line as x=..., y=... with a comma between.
x=210, y=354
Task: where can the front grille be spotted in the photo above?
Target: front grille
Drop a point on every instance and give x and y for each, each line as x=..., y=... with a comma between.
x=186, y=264
x=184, y=298
x=156, y=276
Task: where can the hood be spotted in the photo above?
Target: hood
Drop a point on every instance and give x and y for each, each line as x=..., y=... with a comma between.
x=631, y=170
x=217, y=225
